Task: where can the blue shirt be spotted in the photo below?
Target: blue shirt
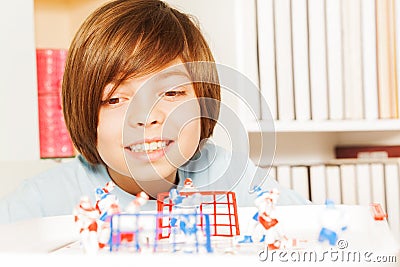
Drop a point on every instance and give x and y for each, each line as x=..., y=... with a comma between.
x=58, y=190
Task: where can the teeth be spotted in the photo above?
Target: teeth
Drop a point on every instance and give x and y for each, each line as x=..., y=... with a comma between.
x=148, y=146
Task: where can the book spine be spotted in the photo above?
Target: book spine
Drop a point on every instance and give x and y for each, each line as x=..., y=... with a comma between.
x=364, y=189
x=352, y=59
x=349, y=184
x=342, y=152
x=334, y=59
x=318, y=184
x=54, y=137
x=397, y=47
x=317, y=54
x=284, y=68
x=245, y=54
x=378, y=183
x=283, y=175
x=370, y=76
x=300, y=182
x=333, y=183
x=266, y=54
x=300, y=60
x=393, y=197
x=387, y=85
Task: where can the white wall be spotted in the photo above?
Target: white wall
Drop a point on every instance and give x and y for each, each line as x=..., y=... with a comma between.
x=19, y=132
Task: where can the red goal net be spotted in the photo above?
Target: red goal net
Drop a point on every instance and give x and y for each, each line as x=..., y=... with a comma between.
x=219, y=205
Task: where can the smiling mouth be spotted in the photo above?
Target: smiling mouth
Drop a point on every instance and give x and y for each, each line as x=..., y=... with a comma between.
x=148, y=147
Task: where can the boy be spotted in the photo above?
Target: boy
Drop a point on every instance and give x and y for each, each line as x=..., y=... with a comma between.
x=138, y=115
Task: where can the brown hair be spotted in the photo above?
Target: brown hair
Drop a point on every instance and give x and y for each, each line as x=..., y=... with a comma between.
x=124, y=39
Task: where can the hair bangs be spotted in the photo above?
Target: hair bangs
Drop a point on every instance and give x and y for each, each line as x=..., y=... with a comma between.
x=160, y=42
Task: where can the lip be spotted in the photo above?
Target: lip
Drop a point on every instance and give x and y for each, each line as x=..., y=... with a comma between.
x=149, y=156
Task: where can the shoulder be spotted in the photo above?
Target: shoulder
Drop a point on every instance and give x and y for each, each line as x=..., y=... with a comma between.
x=52, y=192
x=75, y=175
x=216, y=168
x=70, y=169
x=208, y=157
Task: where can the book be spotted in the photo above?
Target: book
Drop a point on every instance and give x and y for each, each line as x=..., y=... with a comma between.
x=54, y=138
x=272, y=172
x=378, y=184
x=283, y=175
x=349, y=184
x=352, y=59
x=317, y=61
x=284, y=67
x=397, y=22
x=389, y=151
x=244, y=52
x=300, y=60
x=318, y=184
x=386, y=65
x=370, y=75
x=333, y=183
x=393, y=197
x=334, y=60
x=266, y=61
x=364, y=188
x=300, y=180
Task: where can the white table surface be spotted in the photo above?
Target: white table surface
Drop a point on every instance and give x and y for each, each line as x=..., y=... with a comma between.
x=53, y=241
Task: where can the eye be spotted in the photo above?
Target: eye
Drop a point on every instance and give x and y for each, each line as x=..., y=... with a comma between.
x=173, y=94
x=113, y=101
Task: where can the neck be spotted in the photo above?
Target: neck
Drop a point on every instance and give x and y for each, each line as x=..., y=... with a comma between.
x=151, y=187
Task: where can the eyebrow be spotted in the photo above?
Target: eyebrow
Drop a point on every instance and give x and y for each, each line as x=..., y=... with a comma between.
x=167, y=74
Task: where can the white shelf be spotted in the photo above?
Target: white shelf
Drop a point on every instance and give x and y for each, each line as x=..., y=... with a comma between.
x=326, y=126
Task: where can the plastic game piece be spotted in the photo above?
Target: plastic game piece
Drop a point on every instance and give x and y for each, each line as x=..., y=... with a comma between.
x=184, y=221
x=136, y=204
x=378, y=212
x=133, y=208
x=184, y=228
x=188, y=186
x=265, y=216
x=85, y=216
x=333, y=223
x=104, y=223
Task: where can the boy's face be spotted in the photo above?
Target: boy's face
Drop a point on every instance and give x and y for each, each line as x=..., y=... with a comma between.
x=150, y=126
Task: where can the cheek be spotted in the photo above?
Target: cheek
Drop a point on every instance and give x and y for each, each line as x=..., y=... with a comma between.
x=109, y=127
x=189, y=138
x=109, y=133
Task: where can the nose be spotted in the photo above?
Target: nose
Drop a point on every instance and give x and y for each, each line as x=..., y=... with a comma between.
x=147, y=123
x=145, y=110
x=143, y=120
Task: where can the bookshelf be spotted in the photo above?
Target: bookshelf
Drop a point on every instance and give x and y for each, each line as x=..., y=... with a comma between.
x=352, y=78
x=328, y=126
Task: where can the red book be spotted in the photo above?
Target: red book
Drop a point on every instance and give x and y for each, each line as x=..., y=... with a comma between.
x=343, y=152
x=55, y=141
x=50, y=65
